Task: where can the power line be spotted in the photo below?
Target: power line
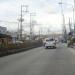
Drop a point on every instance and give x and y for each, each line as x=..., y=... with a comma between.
x=8, y=21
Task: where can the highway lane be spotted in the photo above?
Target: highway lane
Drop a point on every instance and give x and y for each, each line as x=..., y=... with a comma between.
x=40, y=61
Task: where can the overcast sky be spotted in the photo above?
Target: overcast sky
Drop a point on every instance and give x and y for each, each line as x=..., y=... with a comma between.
x=48, y=12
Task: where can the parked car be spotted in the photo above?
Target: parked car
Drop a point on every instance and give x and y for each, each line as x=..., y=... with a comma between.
x=49, y=43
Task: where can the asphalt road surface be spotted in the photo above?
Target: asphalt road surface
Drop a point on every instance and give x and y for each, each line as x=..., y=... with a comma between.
x=40, y=61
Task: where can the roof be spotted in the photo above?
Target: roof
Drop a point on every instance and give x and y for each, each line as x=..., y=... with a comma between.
x=4, y=36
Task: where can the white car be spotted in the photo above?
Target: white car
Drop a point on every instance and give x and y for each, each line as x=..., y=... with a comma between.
x=17, y=42
x=49, y=43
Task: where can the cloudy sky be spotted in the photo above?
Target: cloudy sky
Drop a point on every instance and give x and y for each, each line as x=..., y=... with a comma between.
x=48, y=13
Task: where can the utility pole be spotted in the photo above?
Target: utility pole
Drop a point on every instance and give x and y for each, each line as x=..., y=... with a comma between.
x=31, y=26
x=21, y=19
x=39, y=34
x=18, y=31
x=70, y=25
x=48, y=32
x=73, y=16
x=73, y=8
x=63, y=27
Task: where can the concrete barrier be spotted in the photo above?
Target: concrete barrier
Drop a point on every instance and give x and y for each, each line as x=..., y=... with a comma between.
x=16, y=48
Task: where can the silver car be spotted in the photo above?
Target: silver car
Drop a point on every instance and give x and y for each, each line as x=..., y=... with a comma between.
x=50, y=43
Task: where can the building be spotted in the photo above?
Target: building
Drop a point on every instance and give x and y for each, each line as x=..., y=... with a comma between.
x=3, y=30
x=4, y=38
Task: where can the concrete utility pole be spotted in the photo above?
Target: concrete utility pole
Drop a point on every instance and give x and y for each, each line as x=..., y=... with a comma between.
x=73, y=8
x=63, y=27
x=70, y=25
x=73, y=16
x=48, y=32
x=21, y=19
x=39, y=32
x=31, y=26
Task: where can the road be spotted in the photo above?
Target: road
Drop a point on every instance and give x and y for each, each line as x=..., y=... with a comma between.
x=40, y=61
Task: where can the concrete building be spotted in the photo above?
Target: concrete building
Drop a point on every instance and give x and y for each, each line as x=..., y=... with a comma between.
x=3, y=30
x=4, y=38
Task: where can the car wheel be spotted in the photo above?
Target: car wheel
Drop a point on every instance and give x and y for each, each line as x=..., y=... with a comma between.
x=55, y=47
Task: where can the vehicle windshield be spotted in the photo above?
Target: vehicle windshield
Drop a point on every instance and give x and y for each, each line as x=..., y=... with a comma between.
x=50, y=40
